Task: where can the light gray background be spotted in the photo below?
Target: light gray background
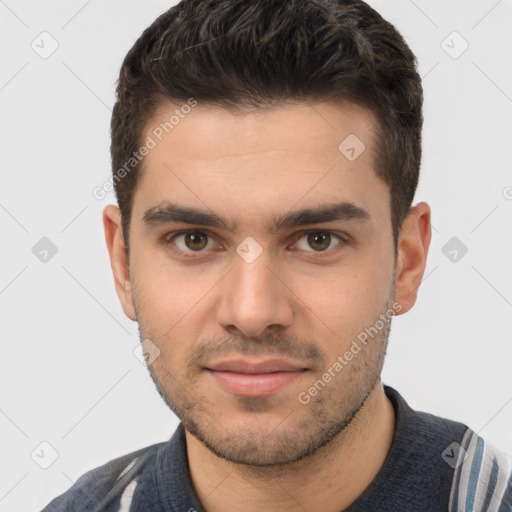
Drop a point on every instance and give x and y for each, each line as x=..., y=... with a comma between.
x=68, y=374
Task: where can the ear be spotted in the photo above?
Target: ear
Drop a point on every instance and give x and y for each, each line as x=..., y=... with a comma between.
x=413, y=244
x=116, y=249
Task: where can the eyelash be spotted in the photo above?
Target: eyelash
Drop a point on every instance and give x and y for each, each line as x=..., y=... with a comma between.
x=169, y=238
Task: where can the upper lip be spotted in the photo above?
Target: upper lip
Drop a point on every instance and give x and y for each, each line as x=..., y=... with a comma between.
x=265, y=366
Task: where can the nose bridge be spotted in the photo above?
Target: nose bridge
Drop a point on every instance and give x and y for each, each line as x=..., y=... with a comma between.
x=253, y=297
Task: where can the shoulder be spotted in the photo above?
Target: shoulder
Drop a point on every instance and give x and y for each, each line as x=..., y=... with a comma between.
x=421, y=435
x=431, y=452
x=95, y=485
x=481, y=473
x=482, y=479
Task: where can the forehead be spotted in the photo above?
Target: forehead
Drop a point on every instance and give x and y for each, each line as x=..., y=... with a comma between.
x=267, y=158
x=212, y=132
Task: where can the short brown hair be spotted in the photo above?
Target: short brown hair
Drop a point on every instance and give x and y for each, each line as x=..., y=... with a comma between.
x=256, y=53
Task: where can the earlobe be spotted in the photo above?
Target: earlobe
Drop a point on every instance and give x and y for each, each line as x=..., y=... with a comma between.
x=115, y=244
x=413, y=245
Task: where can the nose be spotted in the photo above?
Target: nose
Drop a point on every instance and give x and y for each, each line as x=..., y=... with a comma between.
x=254, y=297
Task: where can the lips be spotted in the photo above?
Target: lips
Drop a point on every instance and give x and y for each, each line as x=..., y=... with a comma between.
x=255, y=378
x=251, y=367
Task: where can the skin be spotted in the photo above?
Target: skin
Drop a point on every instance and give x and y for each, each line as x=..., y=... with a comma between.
x=295, y=301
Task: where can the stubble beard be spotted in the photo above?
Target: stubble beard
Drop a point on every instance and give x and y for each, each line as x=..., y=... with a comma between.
x=303, y=430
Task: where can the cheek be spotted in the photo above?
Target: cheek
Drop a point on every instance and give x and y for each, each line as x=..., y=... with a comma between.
x=172, y=307
x=166, y=292
x=348, y=298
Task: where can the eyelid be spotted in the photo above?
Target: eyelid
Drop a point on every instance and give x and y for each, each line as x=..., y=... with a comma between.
x=342, y=238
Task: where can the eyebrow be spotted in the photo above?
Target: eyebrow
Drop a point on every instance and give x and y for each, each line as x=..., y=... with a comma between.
x=174, y=213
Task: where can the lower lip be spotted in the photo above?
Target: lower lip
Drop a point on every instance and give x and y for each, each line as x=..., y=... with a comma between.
x=254, y=384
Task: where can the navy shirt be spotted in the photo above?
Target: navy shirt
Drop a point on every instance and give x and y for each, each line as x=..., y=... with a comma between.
x=433, y=465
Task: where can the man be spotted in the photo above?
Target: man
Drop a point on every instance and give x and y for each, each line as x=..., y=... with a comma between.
x=265, y=157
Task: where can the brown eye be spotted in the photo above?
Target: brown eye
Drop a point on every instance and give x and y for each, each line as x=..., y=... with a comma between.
x=319, y=241
x=188, y=242
x=195, y=241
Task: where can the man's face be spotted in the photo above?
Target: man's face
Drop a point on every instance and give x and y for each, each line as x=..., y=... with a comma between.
x=295, y=295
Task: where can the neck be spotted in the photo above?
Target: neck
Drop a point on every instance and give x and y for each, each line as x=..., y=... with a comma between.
x=335, y=475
